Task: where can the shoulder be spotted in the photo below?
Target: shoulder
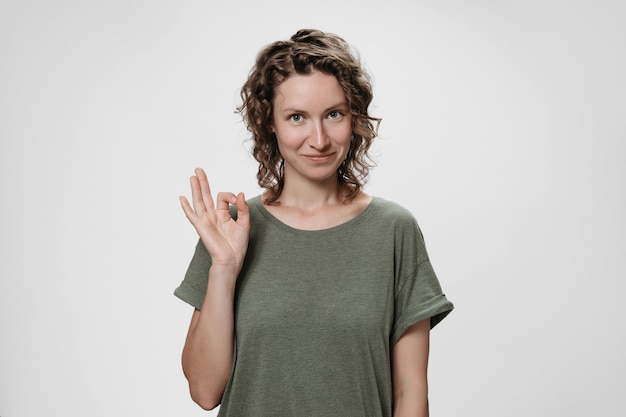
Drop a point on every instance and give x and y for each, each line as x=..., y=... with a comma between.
x=397, y=219
x=402, y=225
x=393, y=212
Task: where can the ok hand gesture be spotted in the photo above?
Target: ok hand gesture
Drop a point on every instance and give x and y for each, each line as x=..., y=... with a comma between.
x=225, y=239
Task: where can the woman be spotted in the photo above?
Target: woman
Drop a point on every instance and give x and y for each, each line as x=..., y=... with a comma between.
x=319, y=298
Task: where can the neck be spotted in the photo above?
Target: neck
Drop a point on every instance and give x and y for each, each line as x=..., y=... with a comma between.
x=309, y=196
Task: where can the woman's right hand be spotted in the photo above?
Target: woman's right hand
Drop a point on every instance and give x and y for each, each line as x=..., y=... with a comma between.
x=225, y=239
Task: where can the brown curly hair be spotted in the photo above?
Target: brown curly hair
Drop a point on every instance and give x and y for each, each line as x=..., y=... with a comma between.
x=308, y=50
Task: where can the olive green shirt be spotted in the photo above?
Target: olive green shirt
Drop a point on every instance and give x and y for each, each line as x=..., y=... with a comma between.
x=317, y=312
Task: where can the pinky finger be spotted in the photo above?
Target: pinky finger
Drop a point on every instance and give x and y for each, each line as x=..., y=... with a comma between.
x=186, y=207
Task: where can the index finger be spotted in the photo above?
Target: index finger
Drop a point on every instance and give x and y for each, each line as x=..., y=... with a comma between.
x=205, y=189
x=224, y=200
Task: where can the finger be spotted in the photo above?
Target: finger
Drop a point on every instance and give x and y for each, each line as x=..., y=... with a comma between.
x=196, y=195
x=243, y=211
x=204, y=188
x=224, y=200
x=186, y=207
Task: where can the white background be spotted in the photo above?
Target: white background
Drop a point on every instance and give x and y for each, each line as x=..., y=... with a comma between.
x=504, y=132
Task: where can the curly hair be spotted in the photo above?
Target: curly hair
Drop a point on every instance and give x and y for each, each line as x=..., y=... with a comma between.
x=308, y=50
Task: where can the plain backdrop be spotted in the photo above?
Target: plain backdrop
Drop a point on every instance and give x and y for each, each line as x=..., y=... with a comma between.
x=503, y=132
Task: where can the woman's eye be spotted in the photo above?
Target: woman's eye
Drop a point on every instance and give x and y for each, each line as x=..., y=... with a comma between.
x=334, y=114
x=295, y=117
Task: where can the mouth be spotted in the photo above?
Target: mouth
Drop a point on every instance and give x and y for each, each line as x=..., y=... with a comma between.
x=321, y=158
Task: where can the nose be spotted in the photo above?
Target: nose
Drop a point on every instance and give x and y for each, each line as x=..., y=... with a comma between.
x=319, y=138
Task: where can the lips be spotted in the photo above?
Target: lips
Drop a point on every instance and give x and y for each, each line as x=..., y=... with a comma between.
x=320, y=158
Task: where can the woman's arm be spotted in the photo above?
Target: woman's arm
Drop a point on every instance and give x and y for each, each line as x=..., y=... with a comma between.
x=208, y=353
x=410, y=371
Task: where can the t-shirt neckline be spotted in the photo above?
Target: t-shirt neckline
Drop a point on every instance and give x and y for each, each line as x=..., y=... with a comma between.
x=257, y=204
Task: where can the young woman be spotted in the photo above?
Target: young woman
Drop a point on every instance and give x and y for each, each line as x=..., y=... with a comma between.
x=314, y=298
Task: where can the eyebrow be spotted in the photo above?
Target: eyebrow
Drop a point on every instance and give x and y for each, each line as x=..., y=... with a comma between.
x=343, y=105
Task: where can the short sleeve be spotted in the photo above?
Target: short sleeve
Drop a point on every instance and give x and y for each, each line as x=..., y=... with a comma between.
x=193, y=287
x=418, y=294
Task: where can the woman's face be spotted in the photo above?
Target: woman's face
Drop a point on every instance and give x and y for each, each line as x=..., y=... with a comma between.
x=313, y=126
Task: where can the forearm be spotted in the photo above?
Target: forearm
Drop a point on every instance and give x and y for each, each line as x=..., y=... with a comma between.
x=208, y=354
x=411, y=406
x=410, y=372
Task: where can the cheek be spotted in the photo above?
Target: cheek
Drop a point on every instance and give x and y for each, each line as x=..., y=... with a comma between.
x=348, y=126
x=345, y=133
x=287, y=138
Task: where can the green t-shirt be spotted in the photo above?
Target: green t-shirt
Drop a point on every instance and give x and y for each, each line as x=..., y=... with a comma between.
x=317, y=312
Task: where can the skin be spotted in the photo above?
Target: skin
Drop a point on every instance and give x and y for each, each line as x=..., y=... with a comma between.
x=208, y=353
x=410, y=371
x=313, y=129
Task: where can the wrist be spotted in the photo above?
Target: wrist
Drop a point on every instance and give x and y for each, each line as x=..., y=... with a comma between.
x=224, y=273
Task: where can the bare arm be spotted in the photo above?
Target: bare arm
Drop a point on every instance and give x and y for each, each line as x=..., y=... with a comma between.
x=208, y=353
x=410, y=371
